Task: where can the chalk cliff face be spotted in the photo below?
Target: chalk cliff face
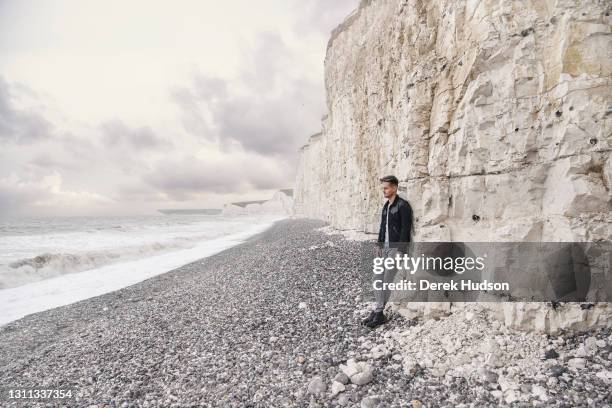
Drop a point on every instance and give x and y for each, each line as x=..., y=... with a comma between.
x=495, y=116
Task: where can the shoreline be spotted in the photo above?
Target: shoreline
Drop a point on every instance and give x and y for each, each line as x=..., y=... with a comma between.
x=62, y=290
x=259, y=325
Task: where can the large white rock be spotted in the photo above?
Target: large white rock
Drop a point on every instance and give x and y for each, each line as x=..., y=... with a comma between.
x=359, y=372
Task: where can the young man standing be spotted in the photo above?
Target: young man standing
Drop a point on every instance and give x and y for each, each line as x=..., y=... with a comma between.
x=393, y=238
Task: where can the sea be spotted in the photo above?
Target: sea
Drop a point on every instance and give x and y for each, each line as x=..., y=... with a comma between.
x=54, y=261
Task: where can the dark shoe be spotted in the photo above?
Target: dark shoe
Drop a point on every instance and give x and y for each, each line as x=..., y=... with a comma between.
x=378, y=319
x=369, y=318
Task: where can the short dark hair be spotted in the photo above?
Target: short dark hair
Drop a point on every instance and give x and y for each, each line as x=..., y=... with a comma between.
x=390, y=179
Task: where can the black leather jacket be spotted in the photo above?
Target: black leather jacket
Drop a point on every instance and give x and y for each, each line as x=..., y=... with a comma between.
x=400, y=224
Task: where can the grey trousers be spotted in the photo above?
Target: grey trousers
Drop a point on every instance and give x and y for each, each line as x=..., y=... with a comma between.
x=382, y=296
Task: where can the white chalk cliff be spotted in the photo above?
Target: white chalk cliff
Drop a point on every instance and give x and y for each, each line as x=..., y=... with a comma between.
x=495, y=116
x=281, y=203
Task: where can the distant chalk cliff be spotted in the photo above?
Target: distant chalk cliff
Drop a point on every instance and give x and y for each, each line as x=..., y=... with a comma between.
x=281, y=203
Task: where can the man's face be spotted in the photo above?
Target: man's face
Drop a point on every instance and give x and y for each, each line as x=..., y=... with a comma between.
x=388, y=189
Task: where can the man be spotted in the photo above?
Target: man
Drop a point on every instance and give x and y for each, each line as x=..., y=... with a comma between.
x=393, y=238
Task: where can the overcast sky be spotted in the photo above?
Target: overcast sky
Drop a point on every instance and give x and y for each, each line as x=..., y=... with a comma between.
x=123, y=107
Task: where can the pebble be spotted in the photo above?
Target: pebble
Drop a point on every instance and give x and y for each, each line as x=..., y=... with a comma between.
x=577, y=363
x=551, y=354
x=557, y=370
x=341, y=378
x=337, y=388
x=511, y=396
x=539, y=392
x=488, y=375
x=604, y=375
x=316, y=386
x=343, y=399
x=371, y=401
x=362, y=378
x=416, y=403
x=590, y=344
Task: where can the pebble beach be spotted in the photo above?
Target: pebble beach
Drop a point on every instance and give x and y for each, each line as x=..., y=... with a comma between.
x=274, y=322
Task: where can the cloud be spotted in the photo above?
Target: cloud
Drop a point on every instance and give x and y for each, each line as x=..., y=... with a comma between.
x=137, y=191
x=47, y=162
x=322, y=16
x=17, y=124
x=187, y=177
x=269, y=61
x=70, y=154
x=118, y=134
x=15, y=194
x=109, y=128
x=192, y=114
x=27, y=196
x=272, y=112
